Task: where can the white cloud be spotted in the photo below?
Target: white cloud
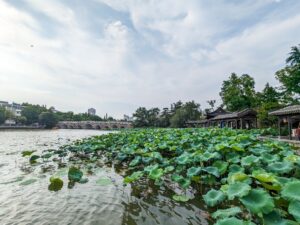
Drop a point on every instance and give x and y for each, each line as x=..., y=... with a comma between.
x=162, y=52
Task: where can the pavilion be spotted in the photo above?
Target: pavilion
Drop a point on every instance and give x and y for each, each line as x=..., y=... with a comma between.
x=289, y=115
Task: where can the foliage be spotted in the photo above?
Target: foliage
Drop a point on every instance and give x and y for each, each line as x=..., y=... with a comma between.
x=238, y=92
x=2, y=115
x=219, y=164
x=47, y=119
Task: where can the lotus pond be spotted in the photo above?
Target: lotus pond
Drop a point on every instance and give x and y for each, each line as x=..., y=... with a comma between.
x=205, y=176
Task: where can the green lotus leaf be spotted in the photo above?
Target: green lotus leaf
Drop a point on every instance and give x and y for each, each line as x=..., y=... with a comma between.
x=258, y=150
x=33, y=158
x=135, y=161
x=47, y=155
x=156, y=155
x=104, y=181
x=237, y=147
x=225, y=213
x=233, y=221
x=169, y=169
x=176, y=177
x=121, y=156
x=280, y=167
x=193, y=171
x=74, y=174
x=291, y=191
x=283, y=180
x=294, y=209
x=264, y=177
x=147, y=160
x=269, y=158
x=133, y=177
x=213, y=197
x=83, y=180
x=224, y=188
x=56, y=184
x=212, y=170
x=184, y=183
x=221, y=165
x=249, y=160
x=292, y=158
x=237, y=189
x=27, y=153
x=233, y=157
x=274, y=218
x=237, y=177
x=222, y=146
x=234, y=168
x=151, y=167
x=258, y=201
x=183, y=159
x=156, y=173
x=180, y=198
x=272, y=187
x=206, y=156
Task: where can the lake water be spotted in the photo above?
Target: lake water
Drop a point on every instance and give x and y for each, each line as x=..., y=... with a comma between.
x=25, y=198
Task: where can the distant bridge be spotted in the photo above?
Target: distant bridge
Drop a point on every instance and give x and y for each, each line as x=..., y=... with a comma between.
x=93, y=125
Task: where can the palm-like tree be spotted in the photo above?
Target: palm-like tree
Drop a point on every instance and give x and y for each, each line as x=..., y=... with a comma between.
x=294, y=56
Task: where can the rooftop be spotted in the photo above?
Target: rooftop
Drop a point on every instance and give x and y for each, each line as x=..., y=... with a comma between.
x=293, y=109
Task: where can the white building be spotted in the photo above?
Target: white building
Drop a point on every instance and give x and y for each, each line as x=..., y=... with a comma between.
x=15, y=108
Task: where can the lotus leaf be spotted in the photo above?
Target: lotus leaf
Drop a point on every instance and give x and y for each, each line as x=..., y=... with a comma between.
x=180, y=198
x=213, y=197
x=150, y=168
x=237, y=189
x=291, y=191
x=234, y=168
x=235, y=177
x=258, y=201
x=264, y=177
x=176, y=177
x=27, y=153
x=121, y=156
x=233, y=221
x=169, y=169
x=183, y=159
x=294, y=209
x=33, y=158
x=184, y=183
x=274, y=218
x=249, y=160
x=56, y=184
x=280, y=167
x=156, y=173
x=193, y=171
x=292, y=158
x=74, y=174
x=135, y=161
x=269, y=158
x=212, y=170
x=221, y=165
x=147, y=160
x=133, y=177
x=238, y=147
x=225, y=213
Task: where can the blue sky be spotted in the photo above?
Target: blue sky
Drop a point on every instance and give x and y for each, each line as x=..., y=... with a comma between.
x=117, y=55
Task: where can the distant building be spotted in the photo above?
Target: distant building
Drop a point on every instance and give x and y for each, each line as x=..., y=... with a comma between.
x=92, y=111
x=15, y=108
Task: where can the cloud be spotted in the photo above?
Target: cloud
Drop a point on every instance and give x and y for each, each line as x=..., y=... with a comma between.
x=118, y=55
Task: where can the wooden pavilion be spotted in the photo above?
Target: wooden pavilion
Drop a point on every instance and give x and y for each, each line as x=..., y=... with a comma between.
x=289, y=115
x=245, y=119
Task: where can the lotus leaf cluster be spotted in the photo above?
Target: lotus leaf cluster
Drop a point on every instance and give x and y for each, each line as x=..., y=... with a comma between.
x=240, y=178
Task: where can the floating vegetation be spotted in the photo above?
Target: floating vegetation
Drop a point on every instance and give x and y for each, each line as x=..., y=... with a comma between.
x=56, y=184
x=250, y=181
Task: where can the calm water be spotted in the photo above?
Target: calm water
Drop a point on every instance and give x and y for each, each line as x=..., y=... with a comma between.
x=90, y=203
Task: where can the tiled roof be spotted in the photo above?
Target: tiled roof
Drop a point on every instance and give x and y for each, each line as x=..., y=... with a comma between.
x=294, y=109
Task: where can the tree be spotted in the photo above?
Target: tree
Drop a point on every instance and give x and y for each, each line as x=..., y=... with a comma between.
x=141, y=117
x=2, y=115
x=269, y=99
x=238, y=93
x=153, y=117
x=164, y=119
x=211, y=103
x=289, y=77
x=47, y=119
x=32, y=112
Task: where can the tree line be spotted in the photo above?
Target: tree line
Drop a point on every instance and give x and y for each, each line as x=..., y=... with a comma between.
x=48, y=117
x=237, y=93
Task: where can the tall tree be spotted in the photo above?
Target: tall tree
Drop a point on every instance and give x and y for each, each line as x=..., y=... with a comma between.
x=289, y=77
x=141, y=117
x=47, y=119
x=238, y=92
x=2, y=115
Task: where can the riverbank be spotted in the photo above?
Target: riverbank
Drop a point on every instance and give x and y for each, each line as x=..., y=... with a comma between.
x=21, y=127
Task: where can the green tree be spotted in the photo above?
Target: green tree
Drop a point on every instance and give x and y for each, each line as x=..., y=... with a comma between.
x=47, y=119
x=141, y=117
x=164, y=119
x=238, y=92
x=153, y=117
x=32, y=112
x=269, y=99
x=2, y=115
x=289, y=77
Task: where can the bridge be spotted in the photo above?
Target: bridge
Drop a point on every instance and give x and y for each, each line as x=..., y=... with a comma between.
x=94, y=125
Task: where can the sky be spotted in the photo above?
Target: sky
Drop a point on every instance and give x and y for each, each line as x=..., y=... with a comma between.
x=117, y=55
